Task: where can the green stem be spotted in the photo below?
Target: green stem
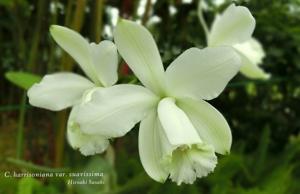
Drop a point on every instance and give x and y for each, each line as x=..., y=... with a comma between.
x=110, y=157
x=51, y=43
x=36, y=35
x=20, y=132
x=60, y=139
x=68, y=13
x=31, y=166
x=79, y=15
x=18, y=31
x=97, y=23
x=147, y=12
x=202, y=20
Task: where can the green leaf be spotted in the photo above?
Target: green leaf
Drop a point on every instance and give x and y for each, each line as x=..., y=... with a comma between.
x=22, y=79
x=7, y=185
x=96, y=164
x=27, y=185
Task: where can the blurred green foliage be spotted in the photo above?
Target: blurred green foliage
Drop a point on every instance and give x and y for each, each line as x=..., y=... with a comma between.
x=263, y=115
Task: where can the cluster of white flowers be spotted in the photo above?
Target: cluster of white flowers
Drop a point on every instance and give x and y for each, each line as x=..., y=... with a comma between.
x=180, y=133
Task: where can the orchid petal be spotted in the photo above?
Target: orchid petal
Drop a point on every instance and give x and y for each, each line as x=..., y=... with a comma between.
x=113, y=111
x=212, y=127
x=251, y=70
x=252, y=49
x=252, y=53
x=58, y=91
x=187, y=165
x=87, y=144
x=105, y=58
x=138, y=48
x=74, y=44
x=183, y=163
x=234, y=25
x=152, y=147
x=202, y=73
x=177, y=126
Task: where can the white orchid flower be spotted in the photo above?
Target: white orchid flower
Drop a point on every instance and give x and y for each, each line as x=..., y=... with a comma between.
x=234, y=27
x=179, y=132
x=62, y=90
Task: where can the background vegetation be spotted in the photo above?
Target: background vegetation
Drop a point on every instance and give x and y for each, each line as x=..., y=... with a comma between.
x=263, y=115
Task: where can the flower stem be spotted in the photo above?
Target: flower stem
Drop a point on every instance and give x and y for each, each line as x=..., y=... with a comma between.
x=202, y=20
x=36, y=35
x=20, y=132
x=60, y=138
x=147, y=12
x=97, y=23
